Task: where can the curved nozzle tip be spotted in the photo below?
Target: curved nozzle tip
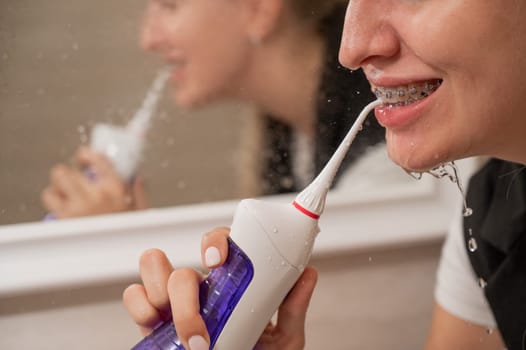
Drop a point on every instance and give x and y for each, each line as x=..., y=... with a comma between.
x=312, y=198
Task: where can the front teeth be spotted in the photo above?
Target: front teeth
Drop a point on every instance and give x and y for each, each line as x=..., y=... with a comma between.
x=406, y=94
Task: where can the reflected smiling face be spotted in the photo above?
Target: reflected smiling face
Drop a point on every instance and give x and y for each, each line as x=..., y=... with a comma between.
x=205, y=42
x=453, y=72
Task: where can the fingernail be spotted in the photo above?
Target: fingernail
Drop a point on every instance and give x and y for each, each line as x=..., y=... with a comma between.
x=212, y=256
x=197, y=343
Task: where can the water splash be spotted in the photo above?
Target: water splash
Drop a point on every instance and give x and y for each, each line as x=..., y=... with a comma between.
x=472, y=245
x=448, y=170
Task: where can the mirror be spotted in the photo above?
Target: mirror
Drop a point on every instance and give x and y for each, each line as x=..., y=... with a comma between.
x=67, y=65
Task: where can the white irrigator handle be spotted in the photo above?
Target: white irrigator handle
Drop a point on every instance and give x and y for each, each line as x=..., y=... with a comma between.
x=312, y=198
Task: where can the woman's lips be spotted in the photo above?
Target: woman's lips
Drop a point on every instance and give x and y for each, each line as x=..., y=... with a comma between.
x=404, y=104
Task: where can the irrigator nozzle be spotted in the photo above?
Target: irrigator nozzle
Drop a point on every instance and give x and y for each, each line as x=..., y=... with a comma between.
x=311, y=201
x=140, y=122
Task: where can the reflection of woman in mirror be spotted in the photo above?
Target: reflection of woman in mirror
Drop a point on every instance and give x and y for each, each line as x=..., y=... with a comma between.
x=279, y=55
x=471, y=55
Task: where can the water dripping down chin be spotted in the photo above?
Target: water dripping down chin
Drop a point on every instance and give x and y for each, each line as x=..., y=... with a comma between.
x=448, y=170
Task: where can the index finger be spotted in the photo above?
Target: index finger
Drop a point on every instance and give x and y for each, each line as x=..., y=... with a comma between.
x=88, y=158
x=183, y=287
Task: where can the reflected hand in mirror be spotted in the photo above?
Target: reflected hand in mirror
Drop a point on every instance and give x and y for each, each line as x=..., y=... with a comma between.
x=72, y=192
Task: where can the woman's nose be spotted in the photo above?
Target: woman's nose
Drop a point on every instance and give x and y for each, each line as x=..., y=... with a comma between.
x=368, y=33
x=151, y=38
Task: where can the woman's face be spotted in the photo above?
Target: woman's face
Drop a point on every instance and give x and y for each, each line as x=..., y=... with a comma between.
x=454, y=72
x=204, y=41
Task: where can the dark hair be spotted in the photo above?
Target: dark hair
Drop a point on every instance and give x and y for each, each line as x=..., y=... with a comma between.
x=342, y=95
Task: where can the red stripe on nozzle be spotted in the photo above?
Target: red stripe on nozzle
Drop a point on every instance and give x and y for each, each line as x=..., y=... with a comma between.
x=305, y=211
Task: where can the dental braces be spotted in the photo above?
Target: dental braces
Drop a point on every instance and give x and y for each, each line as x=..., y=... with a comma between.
x=401, y=95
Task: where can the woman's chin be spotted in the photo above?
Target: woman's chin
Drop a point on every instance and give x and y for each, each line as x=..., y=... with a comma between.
x=190, y=101
x=415, y=161
x=414, y=152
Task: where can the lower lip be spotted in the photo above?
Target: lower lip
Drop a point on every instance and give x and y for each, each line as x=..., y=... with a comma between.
x=403, y=116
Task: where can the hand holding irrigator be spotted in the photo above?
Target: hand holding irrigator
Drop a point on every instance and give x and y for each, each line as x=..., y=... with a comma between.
x=113, y=158
x=269, y=246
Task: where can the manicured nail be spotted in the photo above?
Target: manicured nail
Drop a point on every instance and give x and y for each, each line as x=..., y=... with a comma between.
x=212, y=257
x=197, y=343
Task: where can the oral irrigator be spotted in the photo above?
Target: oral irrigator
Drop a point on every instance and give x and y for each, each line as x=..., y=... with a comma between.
x=123, y=146
x=269, y=246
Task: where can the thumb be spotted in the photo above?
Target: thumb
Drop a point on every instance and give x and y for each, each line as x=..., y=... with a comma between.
x=293, y=310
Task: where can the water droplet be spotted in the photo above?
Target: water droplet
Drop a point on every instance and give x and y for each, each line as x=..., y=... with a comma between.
x=275, y=230
x=415, y=175
x=470, y=231
x=370, y=259
x=482, y=283
x=283, y=263
x=450, y=171
x=467, y=212
x=329, y=100
x=22, y=207
x=489, y=330
x=472, y=245
x=252, y=310
x=81, y=129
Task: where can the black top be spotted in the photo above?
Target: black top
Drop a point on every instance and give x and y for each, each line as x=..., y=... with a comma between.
x=342, y=96
x=497, y=228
